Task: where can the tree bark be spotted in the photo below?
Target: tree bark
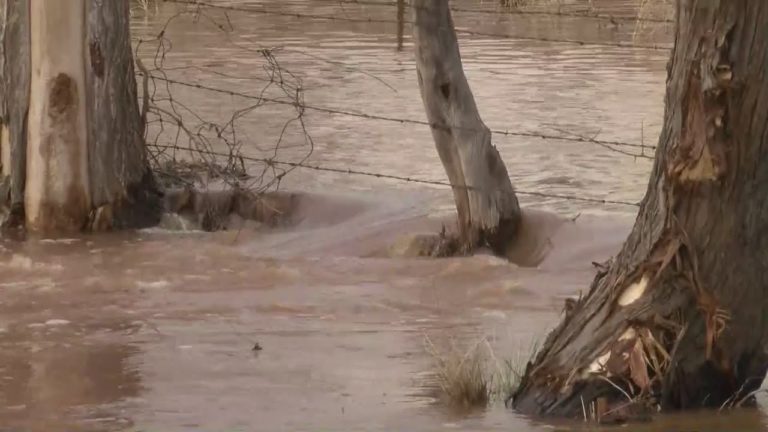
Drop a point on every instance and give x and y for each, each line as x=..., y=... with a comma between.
x=14, y=103
x=57, y=196
x=123, y=189
x=679, y=318
x=72, y=150
x=488, y=209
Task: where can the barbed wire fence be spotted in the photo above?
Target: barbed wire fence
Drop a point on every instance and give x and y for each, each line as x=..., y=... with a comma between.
x=187, y=148
x=460, y=31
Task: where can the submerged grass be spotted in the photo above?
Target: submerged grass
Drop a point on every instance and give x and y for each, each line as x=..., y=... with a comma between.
x=462, y=377
x=475, y=377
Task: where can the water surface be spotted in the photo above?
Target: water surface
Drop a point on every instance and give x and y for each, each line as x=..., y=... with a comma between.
x=154, y=330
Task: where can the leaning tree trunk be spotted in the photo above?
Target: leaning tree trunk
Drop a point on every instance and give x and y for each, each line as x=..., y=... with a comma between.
x=487, y=206
x=72, y=149
x=679, y=319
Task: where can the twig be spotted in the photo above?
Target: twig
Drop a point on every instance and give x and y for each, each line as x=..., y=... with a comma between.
x=629, y=398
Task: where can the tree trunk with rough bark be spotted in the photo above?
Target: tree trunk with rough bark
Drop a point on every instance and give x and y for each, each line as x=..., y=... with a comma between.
x=679, y=318
x=14, y=105
x=123, y=189
x=488, y=209
x=72, y=149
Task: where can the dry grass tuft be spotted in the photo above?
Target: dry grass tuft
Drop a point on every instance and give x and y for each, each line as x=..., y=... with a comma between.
x=462, y=377
x=476, y=377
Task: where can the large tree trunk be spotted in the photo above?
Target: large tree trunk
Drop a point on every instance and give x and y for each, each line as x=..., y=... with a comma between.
x=487, y=206
x=57, y=196
x=72, y=147
x=14, y=104
x=680, y=317
x=123, y=189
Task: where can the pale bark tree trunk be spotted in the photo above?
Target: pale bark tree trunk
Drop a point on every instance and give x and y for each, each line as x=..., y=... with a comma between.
x=679, y=319
x=487, y=207
x=57, y=194
x=72, y=151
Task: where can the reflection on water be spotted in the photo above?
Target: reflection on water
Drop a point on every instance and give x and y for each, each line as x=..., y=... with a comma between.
x=154, y=330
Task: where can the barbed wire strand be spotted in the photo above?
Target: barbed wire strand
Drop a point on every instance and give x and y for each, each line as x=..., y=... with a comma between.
x=328, y=110
x=518, y=12
x=624, y=45
x=349, y=171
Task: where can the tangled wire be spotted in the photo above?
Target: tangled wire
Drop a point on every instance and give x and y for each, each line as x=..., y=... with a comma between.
x=188, y=148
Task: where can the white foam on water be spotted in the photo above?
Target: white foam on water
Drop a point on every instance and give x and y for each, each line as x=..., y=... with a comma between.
x=23, y=262
x=57, y=322
x=66, y=241
x=159, y=284
x=496, y=314
x=20, y=262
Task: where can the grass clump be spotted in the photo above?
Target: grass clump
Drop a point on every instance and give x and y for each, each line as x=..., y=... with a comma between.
x=475, y=377
x=463, y=379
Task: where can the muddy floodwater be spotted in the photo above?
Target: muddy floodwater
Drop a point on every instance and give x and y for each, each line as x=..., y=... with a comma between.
x=154, y=330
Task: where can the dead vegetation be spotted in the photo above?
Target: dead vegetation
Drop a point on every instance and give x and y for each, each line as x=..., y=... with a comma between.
x=462, y=377
x=473, y=378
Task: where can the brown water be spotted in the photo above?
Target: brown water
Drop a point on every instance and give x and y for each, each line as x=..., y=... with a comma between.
x=153, y=330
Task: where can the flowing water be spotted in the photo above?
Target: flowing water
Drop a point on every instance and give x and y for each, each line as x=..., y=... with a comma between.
x=154, y=330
